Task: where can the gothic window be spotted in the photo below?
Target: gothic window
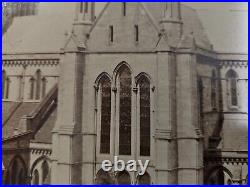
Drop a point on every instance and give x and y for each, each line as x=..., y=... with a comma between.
x=144, y=179
x=136, y=33
x=7, y=91
x=232, y=87
x=44, y=83
x=144, y=92
x=213, y=90
x=45, y=171
x=4, y=76
x=124, y=9
x=125, y=111
x=111, y=33
x=14, y=172
x=36, y=177
x=21, y=177
x=32, y=85
x=38, y=84
x=105, y=89
x=123, y=177
x=5, y=85
x=103, y=177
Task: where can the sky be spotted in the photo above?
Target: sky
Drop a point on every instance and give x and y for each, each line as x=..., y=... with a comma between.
x=225, y=23
x=201, y=6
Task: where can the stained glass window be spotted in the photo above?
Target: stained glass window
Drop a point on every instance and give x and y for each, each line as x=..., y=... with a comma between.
x=125, y=112
x=105, y=86
x=144, y=86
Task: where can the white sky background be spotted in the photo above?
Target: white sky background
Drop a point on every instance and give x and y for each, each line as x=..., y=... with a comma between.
x=226, y=24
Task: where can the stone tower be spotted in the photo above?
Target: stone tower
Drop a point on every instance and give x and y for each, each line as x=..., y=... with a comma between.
x=67, y=157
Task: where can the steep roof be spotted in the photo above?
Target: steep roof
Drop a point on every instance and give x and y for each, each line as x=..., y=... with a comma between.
x=224, y=28
x=41, y=33
x=43, y=135
x=14, y=119
x=235, y=135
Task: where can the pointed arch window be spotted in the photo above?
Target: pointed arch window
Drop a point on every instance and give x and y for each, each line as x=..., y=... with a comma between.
x=38, y=84
x=232, y=87
x=213, y=90
x=144, y=94
x=125, y=83
x=105, y=89
x=21, y=177
x=44, y=84
x=4, y=77
x=36, y=177
x=5, y=85
x=14, y=172
x=7, y=92
x=32, y=85
x=45, y=171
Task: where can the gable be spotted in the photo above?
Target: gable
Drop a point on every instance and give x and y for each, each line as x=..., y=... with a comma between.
x=124, y=33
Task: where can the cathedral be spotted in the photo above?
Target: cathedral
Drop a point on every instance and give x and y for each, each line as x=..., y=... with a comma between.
x=141, y=81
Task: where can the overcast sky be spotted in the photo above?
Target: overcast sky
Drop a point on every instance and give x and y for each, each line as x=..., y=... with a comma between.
x=226, y=24
x=200, y=6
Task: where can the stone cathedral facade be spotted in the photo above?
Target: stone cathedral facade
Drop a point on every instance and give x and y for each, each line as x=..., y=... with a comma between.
x=140, y=81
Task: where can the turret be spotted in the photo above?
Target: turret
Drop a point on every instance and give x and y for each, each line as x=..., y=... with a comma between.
x=171, y=21
x=84, y=18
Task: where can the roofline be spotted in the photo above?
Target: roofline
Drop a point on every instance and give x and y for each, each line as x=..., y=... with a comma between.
x=16, y=136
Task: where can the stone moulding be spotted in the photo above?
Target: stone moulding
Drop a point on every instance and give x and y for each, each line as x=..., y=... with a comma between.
x=30, y=62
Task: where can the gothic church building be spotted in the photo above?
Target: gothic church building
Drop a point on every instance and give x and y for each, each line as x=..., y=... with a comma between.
x=140, y=81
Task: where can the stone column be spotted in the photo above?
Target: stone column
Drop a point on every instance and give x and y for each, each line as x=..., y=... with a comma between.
x=187, y=118
x=163, y=125
x=66, y=139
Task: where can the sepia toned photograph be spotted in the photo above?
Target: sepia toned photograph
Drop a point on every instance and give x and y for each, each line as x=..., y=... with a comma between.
x=124, y=93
